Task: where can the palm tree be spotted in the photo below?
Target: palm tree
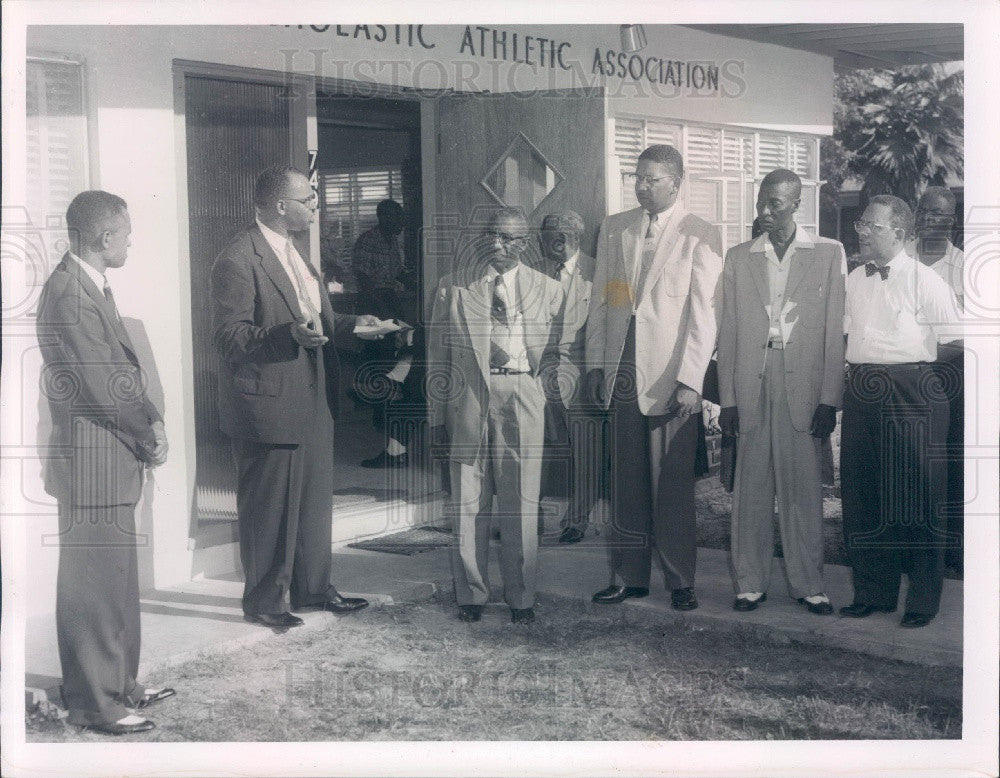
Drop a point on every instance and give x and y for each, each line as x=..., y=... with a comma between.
x=902, y=130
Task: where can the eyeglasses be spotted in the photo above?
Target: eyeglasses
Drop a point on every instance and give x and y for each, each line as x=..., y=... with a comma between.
x=635, y=178
x=507, y=240
x=309, y=202
x=862, y=227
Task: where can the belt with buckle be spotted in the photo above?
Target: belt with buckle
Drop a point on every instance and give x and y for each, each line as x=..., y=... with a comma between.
x=776, y=343
x=506, y=371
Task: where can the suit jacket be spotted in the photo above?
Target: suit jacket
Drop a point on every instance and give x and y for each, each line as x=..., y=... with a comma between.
x=679, y=304
x=458, y=352
x=267, y=383
x=574, y=318
x=813, y=302
x=101, y=417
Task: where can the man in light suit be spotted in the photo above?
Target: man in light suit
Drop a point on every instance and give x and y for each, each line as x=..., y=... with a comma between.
x=651, y=331
x=573, y=461
x=278, y=387
x=781, y=380
x=494, y=349
x=104, y=432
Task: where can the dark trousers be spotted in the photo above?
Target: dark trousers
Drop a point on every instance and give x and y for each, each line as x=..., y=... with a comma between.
x=893, y=473
x=951, y=366
x=97, y=612
x=284, y=501
x=652, y=486
x=572, y=466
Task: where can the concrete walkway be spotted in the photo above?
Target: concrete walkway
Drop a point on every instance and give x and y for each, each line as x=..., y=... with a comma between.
x=205, y=616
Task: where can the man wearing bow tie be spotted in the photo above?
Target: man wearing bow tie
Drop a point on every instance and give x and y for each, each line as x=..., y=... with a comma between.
x=651, y=331
x=893, y=466
x=104, y=432
x=493, y=353
x=278, y=387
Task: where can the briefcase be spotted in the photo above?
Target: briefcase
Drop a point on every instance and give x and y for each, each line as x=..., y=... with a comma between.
x=727, y=467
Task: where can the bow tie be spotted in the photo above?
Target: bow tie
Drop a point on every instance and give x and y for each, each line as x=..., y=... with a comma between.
x=871, y=269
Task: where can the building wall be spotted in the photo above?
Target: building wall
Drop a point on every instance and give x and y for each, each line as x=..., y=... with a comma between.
x=137, y=151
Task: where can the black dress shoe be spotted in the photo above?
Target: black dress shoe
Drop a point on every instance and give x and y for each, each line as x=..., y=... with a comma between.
x=860, y=610
x=745, y=604
x=683, y=599
x=153, y=697
x=121, y=729
x=340, y=604
x=571, y=535
x=522, y=615
x=821, y=608
x=275, y=620
x=470, y=612
x=912, y=620
x=615, y=594
x=385, y=459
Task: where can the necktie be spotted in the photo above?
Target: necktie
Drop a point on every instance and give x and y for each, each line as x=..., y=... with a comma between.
x=650, y=230
x=648, y=252
x=557, y=269
x=111, y=300
x=871, y=269
x=499, y=310
x=498, y=355
x=309, y=309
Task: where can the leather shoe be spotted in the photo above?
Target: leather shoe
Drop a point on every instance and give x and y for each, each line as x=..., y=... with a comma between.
x=860, y=610
x=470, y=612
x=117, y=728
x=683, y=599
x=522, y=615
x=385, y=459
x=615, y=594
x=152, y=697
x=340, y=604
x=912, y=620
x=571, y=535
x=821, y=608
x=745, y=604
x=275, y=620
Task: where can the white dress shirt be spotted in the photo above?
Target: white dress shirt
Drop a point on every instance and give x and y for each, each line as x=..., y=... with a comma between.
x=950, y=267
x=280, y=244
x=510, y=337
x=100, y=280
x=777, y=280
x=900, y=319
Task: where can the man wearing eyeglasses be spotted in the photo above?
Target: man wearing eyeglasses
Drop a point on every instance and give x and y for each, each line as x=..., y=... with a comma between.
x=781, y=380
x=278, y=387
x=494, y=348
x=895, y=421
x=651, y=331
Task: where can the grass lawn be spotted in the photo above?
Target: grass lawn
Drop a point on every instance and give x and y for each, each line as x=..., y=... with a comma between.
x=414, y=672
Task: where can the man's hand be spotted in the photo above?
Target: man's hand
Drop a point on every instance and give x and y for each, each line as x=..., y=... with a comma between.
x=595, y=386
x=439, y=441
x=684, y=402
x=306, y=336
x=367, y=320
x=824, y=421
x=729, y=421
x=159, y=454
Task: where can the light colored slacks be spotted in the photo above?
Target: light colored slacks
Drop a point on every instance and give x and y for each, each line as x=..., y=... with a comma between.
x=772, y=459
x=509, y=466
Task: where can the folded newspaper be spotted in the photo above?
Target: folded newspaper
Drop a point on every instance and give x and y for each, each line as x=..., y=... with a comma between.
x=384, y=327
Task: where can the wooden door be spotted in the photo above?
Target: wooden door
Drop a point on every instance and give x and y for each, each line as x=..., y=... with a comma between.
x=556, y=136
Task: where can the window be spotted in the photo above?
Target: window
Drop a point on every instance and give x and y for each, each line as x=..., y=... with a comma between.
x=723, y=169
x=56, y=138
x=349, y=198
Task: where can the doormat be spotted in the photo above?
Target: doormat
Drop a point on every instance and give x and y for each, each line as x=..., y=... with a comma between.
x=408, y=542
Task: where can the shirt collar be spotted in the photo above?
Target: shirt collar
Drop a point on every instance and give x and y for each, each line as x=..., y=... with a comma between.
x=802, y=239
x=99, y=279
x=275, y=240
x=661, y=218
x=508, y=278
x=570, y=264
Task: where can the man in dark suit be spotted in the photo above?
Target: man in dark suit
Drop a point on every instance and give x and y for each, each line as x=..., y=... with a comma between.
x=494, y=348
x=104, y=432
x=573, y=447
x=278, y=389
